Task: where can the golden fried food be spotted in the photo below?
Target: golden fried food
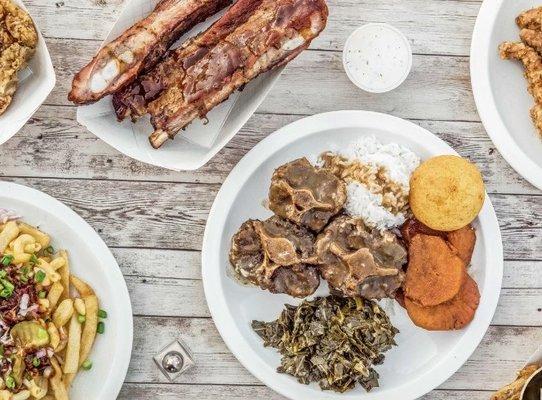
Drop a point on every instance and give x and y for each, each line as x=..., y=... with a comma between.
x=454, y=314
x=413, y=227
x=18, y=40
x=435, y=273
x=446, y=192
x=536, y=116
x=531, y=38
x=513, y=390
x=532, y=62
x=463, y=241
x=531, y=19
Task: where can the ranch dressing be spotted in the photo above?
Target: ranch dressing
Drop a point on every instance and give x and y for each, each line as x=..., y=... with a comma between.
x=377, y=57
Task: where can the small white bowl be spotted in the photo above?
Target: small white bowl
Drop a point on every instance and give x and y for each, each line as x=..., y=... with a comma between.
x=377, y=57
x=36, y=82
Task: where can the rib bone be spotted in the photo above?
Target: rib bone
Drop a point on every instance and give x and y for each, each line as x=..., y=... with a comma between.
x=139, y=48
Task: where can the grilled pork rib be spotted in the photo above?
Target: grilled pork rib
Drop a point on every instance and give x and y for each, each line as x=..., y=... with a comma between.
x=253, y=37
x=139, y=48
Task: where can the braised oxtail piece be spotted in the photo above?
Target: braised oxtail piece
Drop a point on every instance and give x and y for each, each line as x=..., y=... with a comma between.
x=139, y=48
x=253, y=37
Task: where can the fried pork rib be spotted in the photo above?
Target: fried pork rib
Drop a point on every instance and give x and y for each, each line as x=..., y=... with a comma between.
x=306, y=195
x=253, y=37
x=358, y=261
x=275, y=255
x=139, y=48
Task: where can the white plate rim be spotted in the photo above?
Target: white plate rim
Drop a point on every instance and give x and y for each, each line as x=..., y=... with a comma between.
x=485, y=100
x=217, y=217
x=123, y=345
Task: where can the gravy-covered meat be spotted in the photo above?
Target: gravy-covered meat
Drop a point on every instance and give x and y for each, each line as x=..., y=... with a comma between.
x=275, y=255
x=306, y=195
x=357, y=260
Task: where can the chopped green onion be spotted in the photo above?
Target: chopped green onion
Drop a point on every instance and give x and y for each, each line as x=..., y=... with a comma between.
x=1, y=350
x=10, y=382
x=87, y=364
x=7, y=259
x=36, y=362
x=40, y=276
x=101, y=328
x=42, y=294
x=81, y=318
x=7, y=288
x=49, y=249
x=102, y=314
x=3, y=273
x=34, y=259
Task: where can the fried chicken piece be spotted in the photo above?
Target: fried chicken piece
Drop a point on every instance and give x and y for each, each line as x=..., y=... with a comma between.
x=532, y=63
x=513, y=390
x=530, y=19
x=455, y=314
x=5, y=37
x=5, y=101
x=536, y=116
x=435, y=273
x=19, y=24
x=532, y=38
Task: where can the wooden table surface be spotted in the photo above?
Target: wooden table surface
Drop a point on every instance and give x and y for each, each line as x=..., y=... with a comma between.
x=153, y=219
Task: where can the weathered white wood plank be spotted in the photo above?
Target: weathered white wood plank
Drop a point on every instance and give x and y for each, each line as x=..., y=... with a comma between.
x=55, y=145
x=211, y=392
x=185, y=298
x=173, y=215
x=182, y=264
x=505, y=347
x=179, y=264
x=433, y=26
x=438, y=88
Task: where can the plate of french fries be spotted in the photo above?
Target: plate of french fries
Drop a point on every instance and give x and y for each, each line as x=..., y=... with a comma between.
x=65, y=313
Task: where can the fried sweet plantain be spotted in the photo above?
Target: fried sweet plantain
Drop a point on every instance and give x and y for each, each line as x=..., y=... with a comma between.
x=463, y=241
x=454, y=314
x=435, y=273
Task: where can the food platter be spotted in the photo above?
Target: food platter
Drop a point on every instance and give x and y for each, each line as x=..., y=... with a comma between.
x=422, y=360
x=35, y=83
x=90, y=260
x=202, y=138
x=500, y=89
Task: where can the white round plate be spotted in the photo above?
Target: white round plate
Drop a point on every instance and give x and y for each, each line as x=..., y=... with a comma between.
x=90, y=260
x=422, y=360
x=500, y=89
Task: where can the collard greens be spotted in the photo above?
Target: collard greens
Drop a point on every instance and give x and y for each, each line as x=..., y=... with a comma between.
x=332, y=340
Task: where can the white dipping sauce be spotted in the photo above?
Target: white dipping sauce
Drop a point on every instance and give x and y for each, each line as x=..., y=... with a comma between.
x=377, y=57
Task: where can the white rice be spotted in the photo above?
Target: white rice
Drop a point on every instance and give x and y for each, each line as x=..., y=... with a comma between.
x=362, y=203
x=399, y=163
